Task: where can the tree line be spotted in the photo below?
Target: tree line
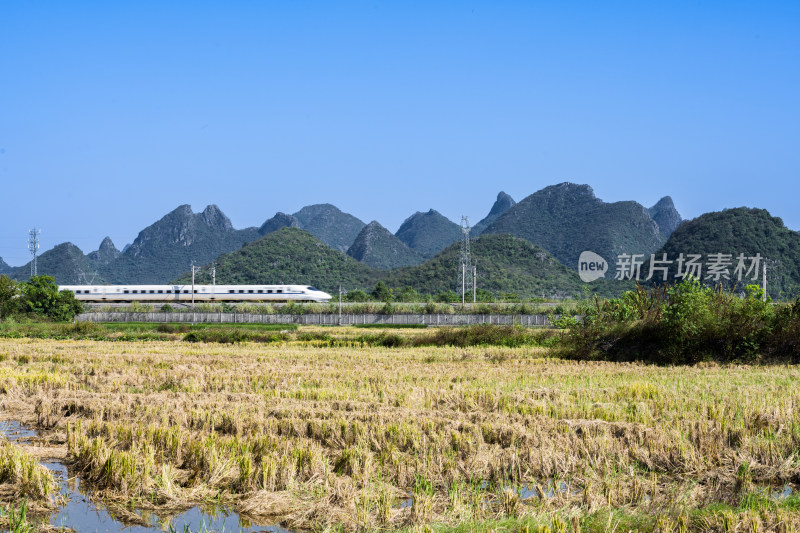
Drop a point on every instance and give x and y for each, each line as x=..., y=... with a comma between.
x=37, y=298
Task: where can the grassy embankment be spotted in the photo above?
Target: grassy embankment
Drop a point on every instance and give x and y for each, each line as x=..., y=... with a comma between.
x=361, y=436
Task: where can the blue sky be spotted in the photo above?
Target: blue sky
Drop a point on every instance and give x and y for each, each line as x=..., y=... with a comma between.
x=114, y=113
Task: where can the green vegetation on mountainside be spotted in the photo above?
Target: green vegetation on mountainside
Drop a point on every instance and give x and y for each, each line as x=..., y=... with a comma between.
x=505, y=264
x=503, y=203
x=568, y=219
x=65, y=263
x=291, y=256
x=741, y=231
x=329, y=224
x=166, y=248
x=666, y=216
x=428, y=233
x=377, y=247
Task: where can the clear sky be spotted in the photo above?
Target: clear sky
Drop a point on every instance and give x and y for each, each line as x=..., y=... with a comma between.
x=114, y=113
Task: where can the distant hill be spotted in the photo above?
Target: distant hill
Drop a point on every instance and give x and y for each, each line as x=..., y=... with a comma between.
x=66, y=263
x=503, y=203
x=291, y=255
x=165, y=249
x=377, y=247
x=505, y=264
x=666, y=216
x=567, y=219
x=106, y=254
x=428, y=233
x=4, y=267
x=330, y=225
x=280, y=220
x=739, y=231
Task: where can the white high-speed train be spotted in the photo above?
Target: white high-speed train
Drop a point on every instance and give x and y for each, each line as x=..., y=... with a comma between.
x=202, y=293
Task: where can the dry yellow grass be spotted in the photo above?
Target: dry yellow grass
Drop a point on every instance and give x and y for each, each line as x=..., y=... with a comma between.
x=320, y=437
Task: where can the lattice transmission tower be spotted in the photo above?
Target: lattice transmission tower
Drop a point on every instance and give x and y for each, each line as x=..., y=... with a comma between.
x=466, y=267
x=33, y=247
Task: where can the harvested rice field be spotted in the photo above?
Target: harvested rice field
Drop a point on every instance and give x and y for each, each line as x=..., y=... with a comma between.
x=314, y=437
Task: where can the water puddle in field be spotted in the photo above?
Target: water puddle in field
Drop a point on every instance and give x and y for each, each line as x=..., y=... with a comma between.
x=81, y=513
x=14, y=431
x=533, y=490
x=780, y=493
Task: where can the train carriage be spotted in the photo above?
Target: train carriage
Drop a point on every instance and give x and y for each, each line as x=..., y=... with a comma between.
x=200, y=293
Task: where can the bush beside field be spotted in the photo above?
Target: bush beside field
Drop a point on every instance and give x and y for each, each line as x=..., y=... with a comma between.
x=685, y=323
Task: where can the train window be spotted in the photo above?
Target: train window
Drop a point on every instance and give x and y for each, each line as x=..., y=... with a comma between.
x=195, y=291
x=312, y=289
x=250, y=291
x=269, y=291
x=241, y=291
x=231, y=291
x=126, y=292
x=186, y=292
x=152, y=292
x=160, y=292
x=279, y=291
x=260, y=291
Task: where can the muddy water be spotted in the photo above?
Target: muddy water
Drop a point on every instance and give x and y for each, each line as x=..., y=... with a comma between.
x=83, y=514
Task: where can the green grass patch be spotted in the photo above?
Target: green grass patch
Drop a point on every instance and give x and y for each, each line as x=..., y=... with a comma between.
x=143, y=331
x=391, y=326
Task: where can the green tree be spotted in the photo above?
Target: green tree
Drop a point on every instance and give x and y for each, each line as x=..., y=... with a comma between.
x=483, y=295
x=407, y=294
x=448, y=297
x=356, y=296
x=9, y=293
x=40, y=296
x=382, y=293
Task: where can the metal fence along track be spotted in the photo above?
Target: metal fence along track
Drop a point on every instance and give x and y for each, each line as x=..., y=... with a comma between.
x=319, y=319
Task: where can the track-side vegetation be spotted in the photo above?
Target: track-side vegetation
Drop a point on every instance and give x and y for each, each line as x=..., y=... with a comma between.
x=685, y=323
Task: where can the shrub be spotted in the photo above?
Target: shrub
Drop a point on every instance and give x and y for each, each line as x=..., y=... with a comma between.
x=448, y=297
x=484, y=334
x=40, y=296
x=356, y=296
x=382, y=293
x=684, y=324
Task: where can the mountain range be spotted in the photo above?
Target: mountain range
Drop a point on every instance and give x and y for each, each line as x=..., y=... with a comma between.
x=560, y=221
x=567, y=219
x=508, y=264
x=377, y=247
x=721, y=237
